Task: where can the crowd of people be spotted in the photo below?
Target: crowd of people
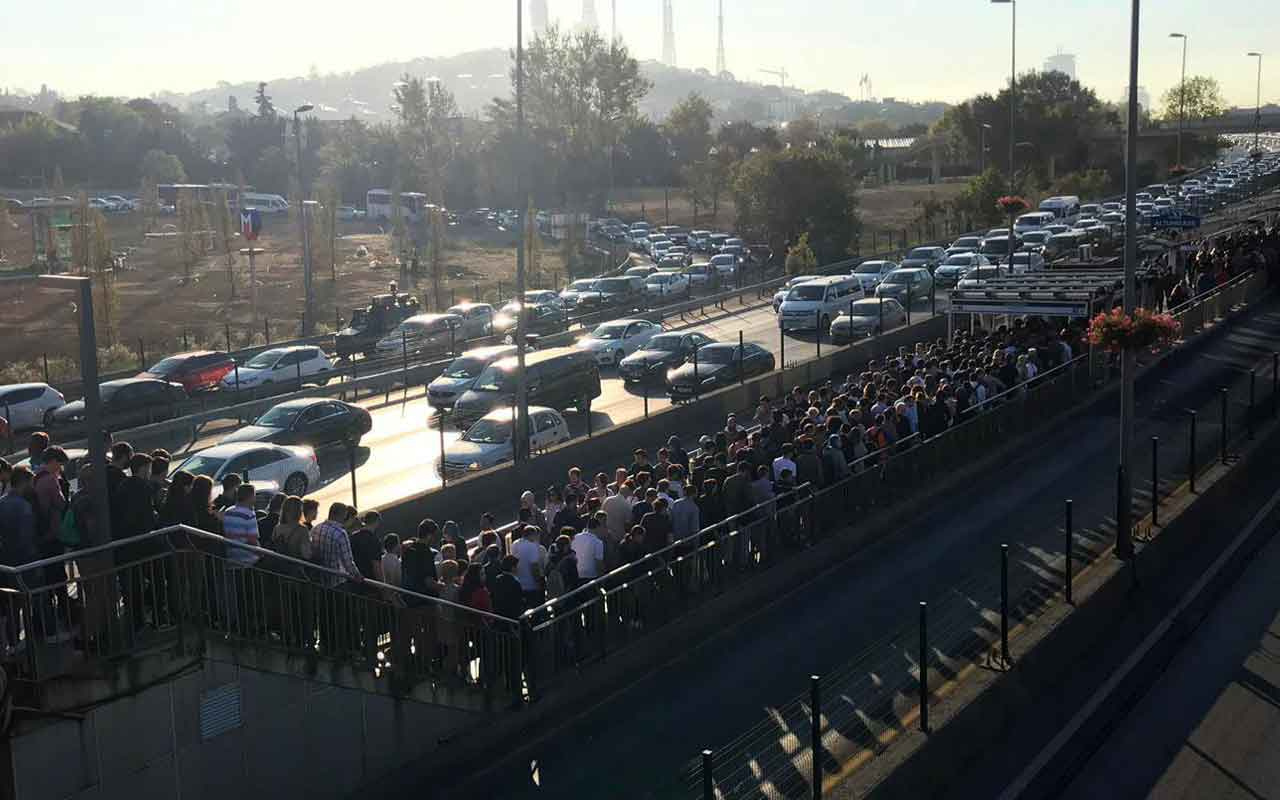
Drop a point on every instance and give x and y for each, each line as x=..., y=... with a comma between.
x=1199, y=265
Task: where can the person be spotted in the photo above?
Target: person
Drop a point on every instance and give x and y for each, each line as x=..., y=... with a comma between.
x=473, y=593
x=160, y=460
x=291, y=537
x=391, y=567
x=49, y=504
x=527, y=504
x=451, y=533
x=657, y=526
x=6, y=471
x=710, y=504
x=562, y=567
x=201, y=513
x=133, y=501
x=532, y=558
x=310, y=511
x=267, y=524
x=176, y=509
x=504, y=590
x=737, y=491
x=676, y=453
x=617, y=511
x=366, y=546
x=685, y=517
x=37, y=443
x=633, y=547
x=569, y=515
x=17, y=521
x=589, y=547
x=785, y=461
x=331, y=549
x=230, y=483
x=639, y=462
x=833, y=461
x=576, y=485
x=240, y=525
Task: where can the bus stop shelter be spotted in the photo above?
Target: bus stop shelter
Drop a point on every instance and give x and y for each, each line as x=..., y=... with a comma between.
x=1045, y=293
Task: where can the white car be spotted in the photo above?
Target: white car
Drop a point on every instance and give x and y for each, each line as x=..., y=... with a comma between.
x=461, y=375
x=25, y=404
x=663, y=284
x=294, y=468
x=488, y=442
x=870, y=273
x=613, y=341
x=476, y=319
x=281, y=365
x=977, y=277
x=791, y=283
x=725, y=263
x=699, y=274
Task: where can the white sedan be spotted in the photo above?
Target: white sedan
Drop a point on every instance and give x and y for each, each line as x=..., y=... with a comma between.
x=281, y=365
x=613, y=341
x=663, y=284
x=294, y=468
x=24, y=405
x=488, y=442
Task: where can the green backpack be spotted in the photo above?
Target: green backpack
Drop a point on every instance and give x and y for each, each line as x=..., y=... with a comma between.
x=68, y=531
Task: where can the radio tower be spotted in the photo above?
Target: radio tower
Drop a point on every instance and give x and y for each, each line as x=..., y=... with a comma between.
x=668, y=35
x=589, y=22
x=721, y=69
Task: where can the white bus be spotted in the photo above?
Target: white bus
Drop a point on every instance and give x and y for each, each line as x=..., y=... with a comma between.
x=377, y=205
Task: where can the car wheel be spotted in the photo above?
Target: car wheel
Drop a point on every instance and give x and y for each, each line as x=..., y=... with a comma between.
x=296, y=485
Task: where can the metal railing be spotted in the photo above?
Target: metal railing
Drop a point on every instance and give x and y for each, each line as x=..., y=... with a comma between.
x=78, y=614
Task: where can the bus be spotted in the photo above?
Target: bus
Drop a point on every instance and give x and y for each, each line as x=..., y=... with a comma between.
x=377, y=204
x=168, y=193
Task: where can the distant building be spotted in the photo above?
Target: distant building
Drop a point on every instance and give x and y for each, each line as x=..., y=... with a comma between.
x=1144, y=99
x=1061, y=62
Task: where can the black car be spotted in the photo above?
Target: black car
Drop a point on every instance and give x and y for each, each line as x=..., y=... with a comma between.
x=718, y=365
x=661, y=353
x=126, y=403
x=310, y=421
x=539, y=320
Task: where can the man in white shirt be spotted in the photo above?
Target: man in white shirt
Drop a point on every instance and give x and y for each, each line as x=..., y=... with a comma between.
x=785, y=461
x=685, y=517
x=617, y=509
x=589, y=547
x=531, y=563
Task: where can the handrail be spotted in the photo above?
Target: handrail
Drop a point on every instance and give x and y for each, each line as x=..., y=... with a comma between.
x=1205, y=295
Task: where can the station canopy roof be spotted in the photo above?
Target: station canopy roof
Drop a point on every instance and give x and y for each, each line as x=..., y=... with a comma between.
x=1059, y=293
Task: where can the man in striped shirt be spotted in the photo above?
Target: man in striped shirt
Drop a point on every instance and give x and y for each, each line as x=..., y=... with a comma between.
x=240, y=524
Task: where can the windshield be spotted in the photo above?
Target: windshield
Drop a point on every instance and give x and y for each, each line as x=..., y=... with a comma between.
x=922, y=252
x=265, y=359
x=464, y=368
x=966, y=241
x=613, y=285
x=665, y=342
x=869, y=268
x=718, y=355
x=981, y=273
x=664, y=279
x=581, y=286
x=995, y=245
x=493, y=379
x=609, y=330
x=167, y=366
x=807, y=292
x=866, y=308
x=900, y=277
x=202, y=465
x=957, y=261
x=488, y=431
x=278, y=417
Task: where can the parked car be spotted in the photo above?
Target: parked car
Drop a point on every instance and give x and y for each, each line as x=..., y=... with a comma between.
x=462, y=372
x=294, y=468
x=350, y=213
x=25, y=405
x=126, y=403
x=718, y=365
x=281, y=366
x=927, y=257
x=422, y=334
x=977, y=277
x=868, y=317
x=557, y=378
x=949, y=272
x=870, y=273
x=641, y=271
x=313, y=421
x=571, y=295
x=996, y=248
x=489, y=441
x=663, y=352
x=621, y=291
x=542, y=297
x=667, y=284
x=791, y=283
x=197, y=371
x=907, y=285
x=613, y=341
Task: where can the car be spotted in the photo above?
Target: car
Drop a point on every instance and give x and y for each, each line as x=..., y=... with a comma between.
x=571, y=295
x=1112, y=207
x=40, y=202
x=1068, y=242
x=812, y=305
x=715, y=241
x=672, y=259
x=1034, y=241
x=1057, y=227
x=701, y=274
x=126, y=403
x=559, y=378
x=462, y=372
x=281, y=366
x=25, y=405
x=907, y=285
x=422, y=334
x=665, y=284
x=122, y=204
x=1025, y=261
x=641, y=271
x=718, y=365
x=867, y=317
x=736, y=250
x=954, y=266
x=977, y=277
x=613, y=341
x=542, y=297
x=621, y=291
x=791, y=283
x=651, y=240
x=926, y=257
x=14, y=204
x=697, y=238
x=965, y=244
x=350, y=213
x=294, y=468
x=476, y=319
x=1092, y=209
x=538, y=320
x=996, y=248
x=663, y=352
x=488, y=442
x=725, y=263
x=870, y=273
x=313, y=421
x=99, y=204
x=197, y=371
x=1113, y=220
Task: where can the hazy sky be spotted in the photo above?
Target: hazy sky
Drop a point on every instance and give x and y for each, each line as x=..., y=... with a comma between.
x=913, y=49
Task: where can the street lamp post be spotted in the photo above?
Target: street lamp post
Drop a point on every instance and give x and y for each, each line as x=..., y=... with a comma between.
x=1128, y=359
x=308, y=311
x=1013, y=88
x=1257, y=114
x=94, y=433
x=982, y=147
x=520, y=449
x=1182, y=93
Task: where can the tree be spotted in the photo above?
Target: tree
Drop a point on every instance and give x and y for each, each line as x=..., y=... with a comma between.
x=688, y=129
x=266, y=109
x=800, y=257
x=224, y=226
x=976, y=205
x=160, y=167
x=1203, y=97
x=781, y=195
x=1088, y=183
x=436, y=229
x=801, y=132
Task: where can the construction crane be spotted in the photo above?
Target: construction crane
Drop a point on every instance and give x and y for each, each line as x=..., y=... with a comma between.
x=780, y=73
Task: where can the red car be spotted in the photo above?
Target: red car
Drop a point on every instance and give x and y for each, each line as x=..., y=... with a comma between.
x=197, y=371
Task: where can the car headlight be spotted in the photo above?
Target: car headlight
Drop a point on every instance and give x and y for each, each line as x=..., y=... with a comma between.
x=474, y=465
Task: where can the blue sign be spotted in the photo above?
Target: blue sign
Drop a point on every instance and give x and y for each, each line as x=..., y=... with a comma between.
x=1175, y=219
x=250, y=224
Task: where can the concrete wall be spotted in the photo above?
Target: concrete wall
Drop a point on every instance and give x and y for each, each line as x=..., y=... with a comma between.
x=498, y=490
x=297, y=738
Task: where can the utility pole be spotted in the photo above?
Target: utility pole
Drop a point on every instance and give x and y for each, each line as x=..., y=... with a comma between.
x=308, y=311
x=1182, y=93
x=520, y=449
x=1128, y=359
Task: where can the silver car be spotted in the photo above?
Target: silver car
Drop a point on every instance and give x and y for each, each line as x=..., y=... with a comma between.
x=488, y=442
x=870, y=317
x=461, y=375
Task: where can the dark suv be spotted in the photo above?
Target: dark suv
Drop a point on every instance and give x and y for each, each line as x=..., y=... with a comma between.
x=126, y=403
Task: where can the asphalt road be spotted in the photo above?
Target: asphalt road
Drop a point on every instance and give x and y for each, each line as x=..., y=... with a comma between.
x=636, y=743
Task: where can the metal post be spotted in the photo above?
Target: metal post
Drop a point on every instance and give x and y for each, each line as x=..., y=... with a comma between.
x=521, y=428
x=697, y=383
x=404, y=356
x=1004, y=605
x=817, y=330
x=237, y=370
x=708, y=776
x=1275, y=383
x=226, y=330
x=266, y=329
x=1155, y=481
x=742, y=375
x=644, y=384
x=1067, y=549
x=453, y=341
x=782, y=343
x=1191, y=454
x=1253, y=385
x=933, y=299
x=299, y=371
x=880, y=328
x=1124, y=524
x=815, y=734
x=185, y=346
x=924, y=667
x=909, y=298
x=440, y=419
x=1225, y=397
x=351, y=462
x=1128, y=359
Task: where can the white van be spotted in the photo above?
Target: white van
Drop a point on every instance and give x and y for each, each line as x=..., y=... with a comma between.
x=265, y=203
x=1033, y=221
x=813, y=304
x=1065, y=208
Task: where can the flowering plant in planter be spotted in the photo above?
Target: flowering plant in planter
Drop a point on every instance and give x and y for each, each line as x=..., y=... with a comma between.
x=1012, y=204
x=1117, y=331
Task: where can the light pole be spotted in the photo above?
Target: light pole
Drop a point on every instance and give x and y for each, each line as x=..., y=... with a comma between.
x=520, y=449
x=1257, y=114
x=982, y=147
x=1182, y=93
x=308, y=312
x=1013, y=87
x=100, y=533
x=1128, y=361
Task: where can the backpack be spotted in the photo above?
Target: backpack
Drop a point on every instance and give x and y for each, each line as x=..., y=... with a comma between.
x=69, y=530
